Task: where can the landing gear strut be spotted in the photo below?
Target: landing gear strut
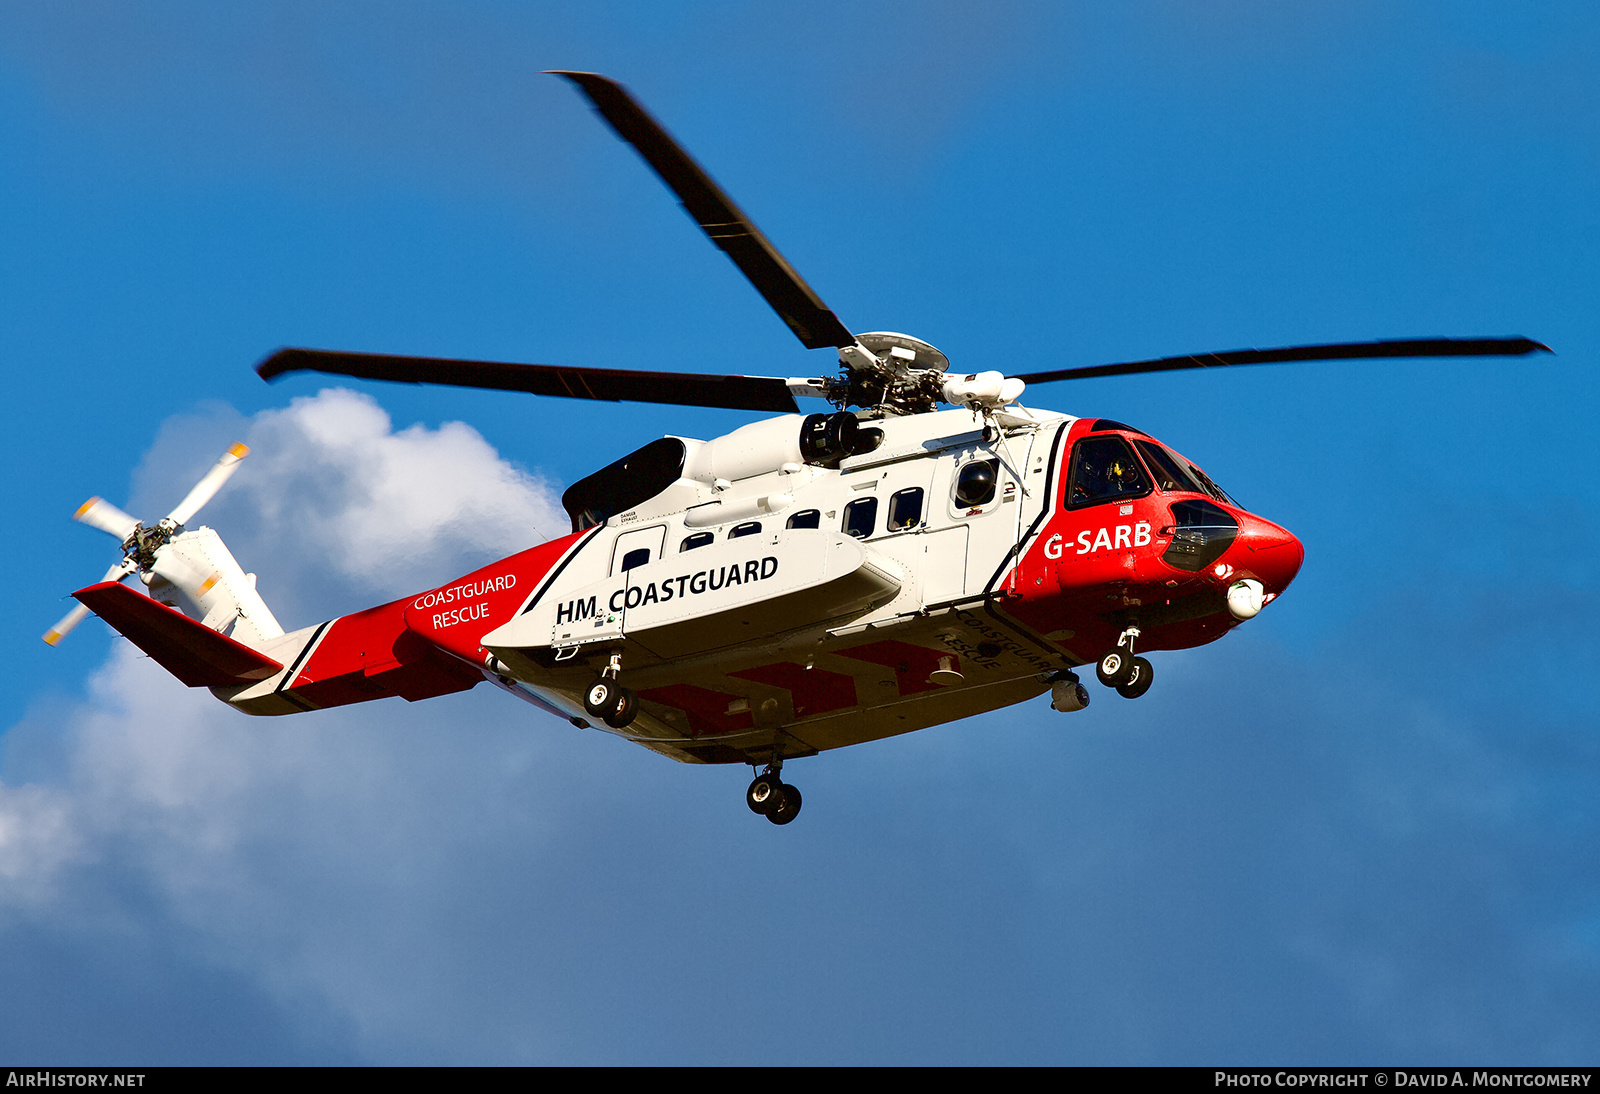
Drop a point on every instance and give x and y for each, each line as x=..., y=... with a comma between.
x=772, y=798
x=610, y=701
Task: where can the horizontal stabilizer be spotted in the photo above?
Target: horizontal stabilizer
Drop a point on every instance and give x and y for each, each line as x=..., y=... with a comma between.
x=193, y=652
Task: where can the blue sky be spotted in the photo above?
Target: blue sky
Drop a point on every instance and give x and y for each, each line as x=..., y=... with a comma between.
x=1361, y=829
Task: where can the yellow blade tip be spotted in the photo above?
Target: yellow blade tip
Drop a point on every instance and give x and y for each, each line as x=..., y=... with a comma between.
x=52, y=636
x=85, y=507
x=238, y=451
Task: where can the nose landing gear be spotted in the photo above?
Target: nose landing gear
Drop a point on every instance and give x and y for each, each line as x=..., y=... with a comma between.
x=1118, y=668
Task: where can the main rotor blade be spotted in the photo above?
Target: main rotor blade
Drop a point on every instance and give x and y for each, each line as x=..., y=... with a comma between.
x=614, y=385
x=99, y=513
x=726, y=225
x=1338, y=351
x=207, y=487
x=69, y=621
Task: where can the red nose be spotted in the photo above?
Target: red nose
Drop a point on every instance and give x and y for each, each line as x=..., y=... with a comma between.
x=1271, y=553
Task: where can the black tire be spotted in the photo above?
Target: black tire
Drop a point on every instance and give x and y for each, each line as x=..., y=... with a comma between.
x=788, y=807
x=764, y=795
x=1143, y=677
x=601, y=698
x=1116, y=667
x=627, y=706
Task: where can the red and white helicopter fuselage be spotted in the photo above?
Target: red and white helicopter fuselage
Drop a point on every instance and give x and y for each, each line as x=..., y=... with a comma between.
x=762, y=607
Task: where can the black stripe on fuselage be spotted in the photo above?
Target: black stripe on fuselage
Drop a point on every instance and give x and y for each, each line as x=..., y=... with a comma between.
x=1045, y=510
x=294, y=669
x=562, y=565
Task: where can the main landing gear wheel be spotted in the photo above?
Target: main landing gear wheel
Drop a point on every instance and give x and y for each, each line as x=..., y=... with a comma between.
x=601, y=696
x=764, y=795
x=788, y=807
x=627, y=707
x=612, y=703
x=1117, y=667
x=768, y=797
x=1143, y=677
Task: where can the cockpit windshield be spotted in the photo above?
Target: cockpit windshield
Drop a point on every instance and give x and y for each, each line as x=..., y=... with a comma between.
x=1170, y=472
x=1173, y=472
x=1212, y=488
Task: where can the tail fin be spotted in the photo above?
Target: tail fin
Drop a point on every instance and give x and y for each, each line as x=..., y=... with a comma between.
x=191, y=651
x=197, y=574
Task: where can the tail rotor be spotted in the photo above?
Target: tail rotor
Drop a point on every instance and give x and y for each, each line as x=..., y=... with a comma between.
x=140, y=544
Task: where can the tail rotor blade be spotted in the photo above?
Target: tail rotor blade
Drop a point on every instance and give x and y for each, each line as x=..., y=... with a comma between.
x=99, y=513
x=206, y=488
x=56, y=633
x=69, y=621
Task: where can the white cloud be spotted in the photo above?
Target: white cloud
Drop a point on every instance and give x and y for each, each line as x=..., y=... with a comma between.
x=337, y=495
x=301, y=853
x=37, y=837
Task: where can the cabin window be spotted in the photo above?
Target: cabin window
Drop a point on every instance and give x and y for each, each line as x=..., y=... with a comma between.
x=699, y=539
x=975, y=483
x=748, y=528
x=860, y=516
x=1105, y=469
x=905, y=509
x=635, y=558
x=806, y=518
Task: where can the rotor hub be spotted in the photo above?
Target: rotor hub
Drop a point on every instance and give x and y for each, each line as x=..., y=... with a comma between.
x=891, y=372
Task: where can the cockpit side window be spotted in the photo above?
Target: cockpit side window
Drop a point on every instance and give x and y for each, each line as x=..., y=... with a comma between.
x=1104, y=469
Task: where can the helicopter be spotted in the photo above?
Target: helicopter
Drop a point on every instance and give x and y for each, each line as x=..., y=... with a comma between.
x=805, y=582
